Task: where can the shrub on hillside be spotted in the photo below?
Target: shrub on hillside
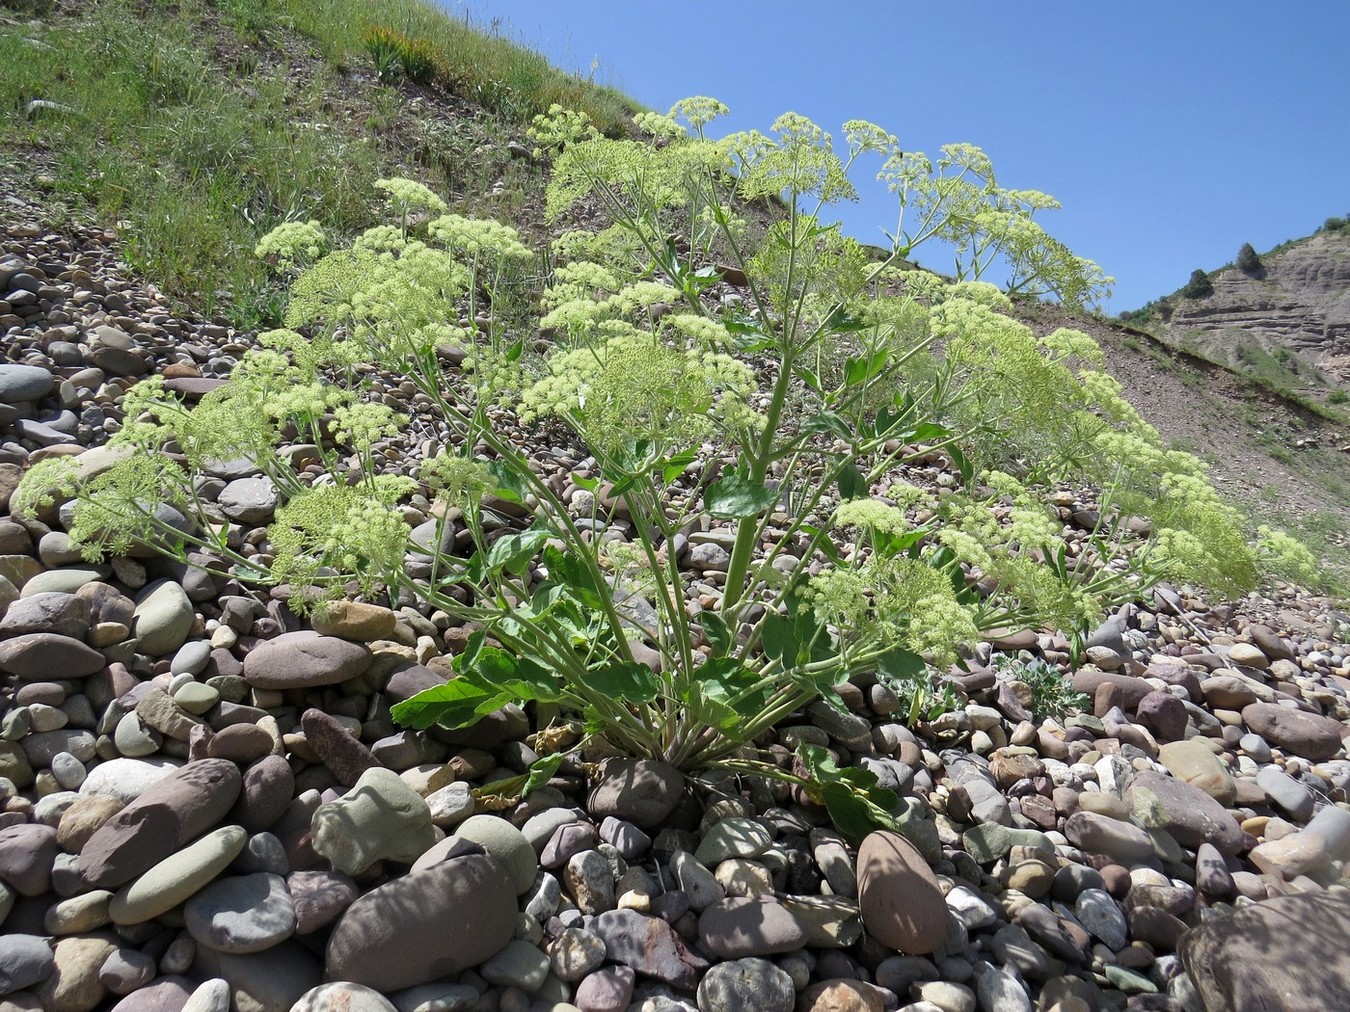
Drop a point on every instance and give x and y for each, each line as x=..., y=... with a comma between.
x=1199, y=287
x=1247, y=260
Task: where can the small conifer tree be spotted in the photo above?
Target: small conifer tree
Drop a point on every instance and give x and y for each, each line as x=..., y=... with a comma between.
x=1247, y=260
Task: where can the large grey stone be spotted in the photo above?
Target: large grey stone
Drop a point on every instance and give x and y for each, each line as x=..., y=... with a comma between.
x=429, y=924
x=304, y=659
x=1286, y=954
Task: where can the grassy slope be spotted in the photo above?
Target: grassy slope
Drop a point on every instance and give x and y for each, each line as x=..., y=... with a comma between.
x=203, y=125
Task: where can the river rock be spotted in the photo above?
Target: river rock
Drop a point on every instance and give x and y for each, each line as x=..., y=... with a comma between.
x=165, y=816
x=742, y=926
x=380, y=818
x=1303, y=734
x=641, y=791
x=178, y=876
x=27, y=852
x=74, y=985
x=163, y=618
x=242, y=913
x=506, y=844
x=47, y=656
x=425, y=925
x=304, y=659
x=25, y=960
x=746, y=985
x=343, y=996
x=649, y=945
x=1286, y=954
x=354, y=620
x=901, y=905
x=1191, y=815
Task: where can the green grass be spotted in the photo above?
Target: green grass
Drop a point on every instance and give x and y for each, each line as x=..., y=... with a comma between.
x=188, y=123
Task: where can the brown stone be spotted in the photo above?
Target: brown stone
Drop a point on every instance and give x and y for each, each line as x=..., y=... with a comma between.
x=898, y=895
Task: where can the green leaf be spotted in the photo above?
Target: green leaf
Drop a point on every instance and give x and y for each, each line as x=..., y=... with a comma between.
x=808, y=376
x=514, y=351
x=963, y=464
x=520, y=677
x=707, y=706
x=778, y=633
x=541, y=772
x=829, y=422
x=572, y=572
x=857, y=806
x=737, y=496
x=852, y=484
x=841, y=322
x=512, y=553
x=718, y=632
x=510, y=485
x=455, y=704
x=900, y=665
x=676, y=464
x=628, y=681
x=547, y=596
x=891, y=545
x=865, y=367
x=715, y=694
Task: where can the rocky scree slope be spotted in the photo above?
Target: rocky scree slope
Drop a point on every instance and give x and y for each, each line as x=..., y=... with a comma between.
x=205, y=804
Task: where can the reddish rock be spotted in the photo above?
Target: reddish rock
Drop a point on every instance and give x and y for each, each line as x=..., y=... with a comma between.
x=171, y=812
x=1308, y=735
x=898, y=895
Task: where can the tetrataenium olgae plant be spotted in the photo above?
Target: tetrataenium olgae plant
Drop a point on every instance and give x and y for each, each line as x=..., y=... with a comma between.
x=788, y=418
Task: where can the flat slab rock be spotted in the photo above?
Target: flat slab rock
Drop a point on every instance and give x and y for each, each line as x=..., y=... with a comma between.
x=1287, y=954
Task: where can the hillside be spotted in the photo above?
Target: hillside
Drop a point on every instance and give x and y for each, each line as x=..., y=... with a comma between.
x=599, y=717
x=1284, y=320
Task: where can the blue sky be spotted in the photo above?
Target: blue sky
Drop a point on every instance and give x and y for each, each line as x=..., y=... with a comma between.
x=1172, y=131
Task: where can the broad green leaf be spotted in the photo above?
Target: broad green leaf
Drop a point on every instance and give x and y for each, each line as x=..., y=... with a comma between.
x=808, y=376
x=865, y=367
x=891, y=545
x=829, y=422
x=520, y=677
x=542, y=771
x=900, y=665
x=546, y=597
x=857, y=806
x=676, y=464
x=628, y=681
x=512, y=553
x=852, y=484
x=510, y=486
x=778, y=633
x=841, y=322
x=706, y=708
x=569, y=570
x=737, y=496
x=457, y=703
x=716, y=630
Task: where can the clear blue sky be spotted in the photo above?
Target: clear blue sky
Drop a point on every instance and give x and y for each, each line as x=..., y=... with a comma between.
x=1172, y=131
